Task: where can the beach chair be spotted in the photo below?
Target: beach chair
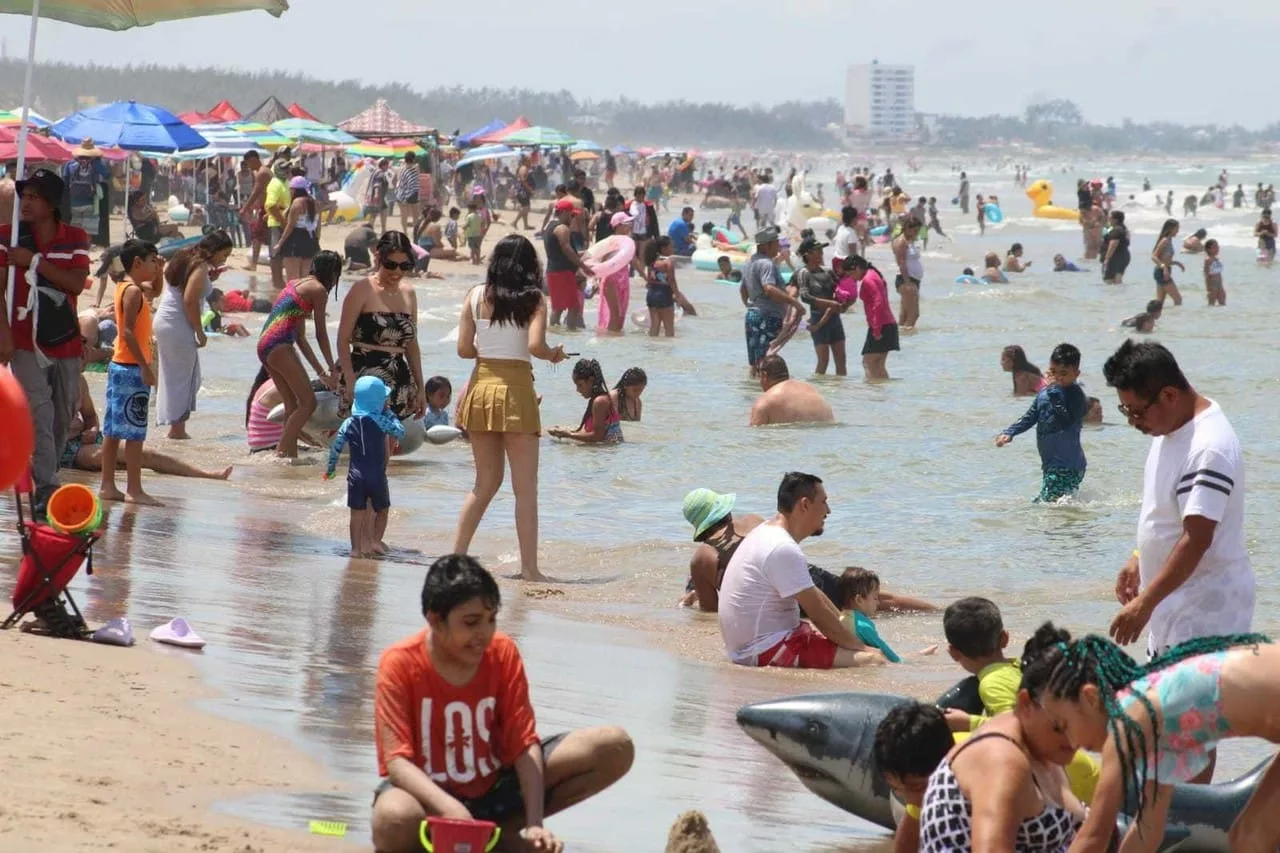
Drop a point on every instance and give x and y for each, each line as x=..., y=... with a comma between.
x=50, y=559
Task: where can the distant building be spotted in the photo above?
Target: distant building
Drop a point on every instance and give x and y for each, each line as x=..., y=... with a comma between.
x=880, y=99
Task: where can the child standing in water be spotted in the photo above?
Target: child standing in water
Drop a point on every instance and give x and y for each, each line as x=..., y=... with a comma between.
x=364, y=434
x=1162, y=257
x=1213, y=274
x=1058, y=416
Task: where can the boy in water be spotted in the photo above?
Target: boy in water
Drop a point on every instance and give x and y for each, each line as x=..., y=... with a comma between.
x=858, y=593
x=1146, y=321
x=976, y=640
x=211, y=319
x=364, y=433
x=456, y=734
x=130, y=377
x=1057, y=413
x=727, y=272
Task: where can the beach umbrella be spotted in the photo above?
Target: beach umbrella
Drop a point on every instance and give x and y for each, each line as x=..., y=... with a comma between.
x=13, y=118
x=40, y=148
x=538, y=135
x=487, y=152
x=390, y=148
x=584, y=155
x=468, y=138
x=306, y=130
x=262, y=135
x=586, y=145
x=131, y=126
x=503, y=132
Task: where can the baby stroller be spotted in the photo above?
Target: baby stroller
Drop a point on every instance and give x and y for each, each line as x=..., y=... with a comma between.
x=50, y=559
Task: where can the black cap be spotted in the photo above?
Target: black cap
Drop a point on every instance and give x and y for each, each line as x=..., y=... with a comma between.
x=46, y=183
x=808, y=244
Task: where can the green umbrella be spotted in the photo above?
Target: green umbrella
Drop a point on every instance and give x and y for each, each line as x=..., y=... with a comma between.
x=538, y=136
x=306, y=130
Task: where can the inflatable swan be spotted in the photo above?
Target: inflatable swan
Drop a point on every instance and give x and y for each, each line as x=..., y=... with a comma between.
x=826, y=740
x=1041, y=195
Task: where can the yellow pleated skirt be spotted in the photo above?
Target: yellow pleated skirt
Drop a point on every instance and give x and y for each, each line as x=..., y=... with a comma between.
x=500, y=398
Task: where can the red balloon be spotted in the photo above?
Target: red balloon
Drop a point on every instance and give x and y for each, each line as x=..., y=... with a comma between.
x=19, y=441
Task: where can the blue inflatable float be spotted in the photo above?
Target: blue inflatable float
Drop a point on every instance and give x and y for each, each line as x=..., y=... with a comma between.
x=994, y=214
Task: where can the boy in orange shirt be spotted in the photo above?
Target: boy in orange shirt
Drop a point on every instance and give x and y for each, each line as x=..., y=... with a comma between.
x=460, y=686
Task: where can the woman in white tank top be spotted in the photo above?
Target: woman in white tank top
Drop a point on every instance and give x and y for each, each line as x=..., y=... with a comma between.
x=503, y=325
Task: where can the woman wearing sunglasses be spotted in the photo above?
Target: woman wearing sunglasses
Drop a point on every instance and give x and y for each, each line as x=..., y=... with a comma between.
x=378, y=331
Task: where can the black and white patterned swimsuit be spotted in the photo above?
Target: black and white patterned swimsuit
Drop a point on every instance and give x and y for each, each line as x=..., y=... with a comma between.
x=947, y=817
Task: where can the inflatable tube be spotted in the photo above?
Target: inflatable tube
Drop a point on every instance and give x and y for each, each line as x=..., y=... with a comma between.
x=348, y=210
x=879, y=231
x=610, y=255
x=169, y=249
x=728, y=281
x=443, y=434
x=969, y=279
x=641, y=319
x=708, y=260
x=827, y=741
x=179, y=213
x=994, y=214
x=725, y=237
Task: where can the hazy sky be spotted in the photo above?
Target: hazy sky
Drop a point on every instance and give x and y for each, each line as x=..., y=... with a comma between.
x=1140, y=59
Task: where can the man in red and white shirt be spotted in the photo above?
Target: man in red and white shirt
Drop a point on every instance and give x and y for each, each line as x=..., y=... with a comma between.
x=39, y=330
x=455, y=731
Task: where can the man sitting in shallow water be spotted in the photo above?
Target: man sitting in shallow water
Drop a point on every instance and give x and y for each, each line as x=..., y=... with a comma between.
x=719, y=533
x=786, y=400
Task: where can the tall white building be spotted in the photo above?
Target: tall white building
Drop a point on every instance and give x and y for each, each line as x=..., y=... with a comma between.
x=880, y=99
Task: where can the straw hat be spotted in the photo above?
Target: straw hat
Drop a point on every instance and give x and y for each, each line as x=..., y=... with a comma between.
x=88, y=149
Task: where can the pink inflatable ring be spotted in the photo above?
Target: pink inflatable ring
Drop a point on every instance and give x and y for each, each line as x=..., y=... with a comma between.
x=610, y=255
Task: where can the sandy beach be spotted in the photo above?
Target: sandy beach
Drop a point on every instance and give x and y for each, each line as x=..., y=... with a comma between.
x=104, y=749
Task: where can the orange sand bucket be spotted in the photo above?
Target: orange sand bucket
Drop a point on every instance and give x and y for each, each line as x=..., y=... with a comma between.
x=20, y=434
x=446, y=835
x=74, y=509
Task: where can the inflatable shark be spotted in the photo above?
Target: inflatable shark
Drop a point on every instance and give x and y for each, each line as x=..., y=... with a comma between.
x=325, y=419
x=827, y=740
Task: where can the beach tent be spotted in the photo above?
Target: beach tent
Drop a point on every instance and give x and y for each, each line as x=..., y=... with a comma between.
x=498, y=135
x=193, y=118
x=469, y=138
x=223, y=111
x=296, y=110
x=382, y=122
x=269, y=111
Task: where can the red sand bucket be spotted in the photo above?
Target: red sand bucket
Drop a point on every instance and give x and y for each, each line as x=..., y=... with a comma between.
x=74, y=509
x=446, y=835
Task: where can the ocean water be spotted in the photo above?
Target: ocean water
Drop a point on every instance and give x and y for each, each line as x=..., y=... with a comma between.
x=918, y=493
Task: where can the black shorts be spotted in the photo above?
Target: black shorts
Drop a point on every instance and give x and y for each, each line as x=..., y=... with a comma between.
x=1116, y=266
x=1159, y=275
x=831, y=332
x=413, y=199
x=358, y=256
x=501, y=801
x=888, y=340
x=900, y=280
x=367, y=490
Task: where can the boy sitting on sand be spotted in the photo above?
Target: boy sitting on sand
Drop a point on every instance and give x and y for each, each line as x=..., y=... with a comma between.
x=455, y=730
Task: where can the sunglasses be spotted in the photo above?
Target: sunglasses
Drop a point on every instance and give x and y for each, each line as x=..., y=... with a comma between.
x=1136, y=413
x=404, y=266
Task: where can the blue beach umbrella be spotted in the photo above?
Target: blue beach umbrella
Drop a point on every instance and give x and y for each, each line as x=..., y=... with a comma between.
x=131, y=126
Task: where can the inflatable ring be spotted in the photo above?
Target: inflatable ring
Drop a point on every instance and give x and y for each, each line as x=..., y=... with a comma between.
x=969, y=279
x=878, y=230
x=610, y=255
x=994, y=214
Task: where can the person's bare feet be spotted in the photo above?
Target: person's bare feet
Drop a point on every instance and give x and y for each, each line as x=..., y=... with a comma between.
x=224, y=474
x=178, y=435
x=141, y=499
x=380, y=548
x=110, y=495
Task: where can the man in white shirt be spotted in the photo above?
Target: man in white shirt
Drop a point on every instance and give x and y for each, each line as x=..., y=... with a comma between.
x=764, y=200
x=767, y=582
x=1190, y=575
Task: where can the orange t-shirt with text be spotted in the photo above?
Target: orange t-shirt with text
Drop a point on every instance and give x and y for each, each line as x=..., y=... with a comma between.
x=459, y=736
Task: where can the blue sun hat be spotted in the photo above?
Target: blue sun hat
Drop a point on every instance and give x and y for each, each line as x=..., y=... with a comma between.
x=704, y=509
x=369, y=397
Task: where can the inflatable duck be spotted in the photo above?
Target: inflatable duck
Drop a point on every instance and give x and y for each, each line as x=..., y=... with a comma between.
x=1041, y=195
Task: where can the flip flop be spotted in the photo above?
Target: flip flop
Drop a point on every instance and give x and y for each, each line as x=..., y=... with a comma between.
x=117, y=632
x=178, y=633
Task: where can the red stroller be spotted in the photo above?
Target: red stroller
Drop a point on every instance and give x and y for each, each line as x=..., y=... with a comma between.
x=50, y=559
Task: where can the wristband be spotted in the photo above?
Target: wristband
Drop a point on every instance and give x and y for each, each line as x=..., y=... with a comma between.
x=913, y=811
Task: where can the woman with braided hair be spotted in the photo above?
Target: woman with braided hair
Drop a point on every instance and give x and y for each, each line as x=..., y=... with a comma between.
x=1157, y=724
x=626, y=394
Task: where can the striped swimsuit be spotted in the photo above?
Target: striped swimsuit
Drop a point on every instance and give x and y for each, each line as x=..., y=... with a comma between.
x=282, y=323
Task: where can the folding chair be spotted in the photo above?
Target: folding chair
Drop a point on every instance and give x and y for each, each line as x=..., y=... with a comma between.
x=50, y=560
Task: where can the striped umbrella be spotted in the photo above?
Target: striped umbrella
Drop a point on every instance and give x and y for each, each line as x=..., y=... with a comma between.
x=538, y=136
x=260, y=134
x=306, y=130
x=390, y=148
x=13, y=118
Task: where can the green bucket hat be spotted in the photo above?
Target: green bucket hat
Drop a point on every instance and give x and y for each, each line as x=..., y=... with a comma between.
x=704, y=509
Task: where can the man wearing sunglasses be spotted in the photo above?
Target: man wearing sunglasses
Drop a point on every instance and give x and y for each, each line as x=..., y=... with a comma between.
x=1190, y=575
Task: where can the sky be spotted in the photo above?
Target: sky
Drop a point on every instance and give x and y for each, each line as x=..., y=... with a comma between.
x=1145, y=60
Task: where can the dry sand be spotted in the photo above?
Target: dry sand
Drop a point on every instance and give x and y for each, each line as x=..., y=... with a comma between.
x=102, y=749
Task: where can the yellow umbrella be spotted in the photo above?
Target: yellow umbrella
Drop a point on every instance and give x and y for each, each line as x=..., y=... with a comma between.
x=584, y=155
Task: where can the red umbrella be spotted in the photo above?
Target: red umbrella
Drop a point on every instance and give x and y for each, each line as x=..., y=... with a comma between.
x=40, y=148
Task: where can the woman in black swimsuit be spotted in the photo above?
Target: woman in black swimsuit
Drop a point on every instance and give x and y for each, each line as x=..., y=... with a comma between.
x=1115, y=252
x=378, y=331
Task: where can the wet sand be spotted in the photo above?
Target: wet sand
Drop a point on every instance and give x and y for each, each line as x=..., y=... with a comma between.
x=102, y=749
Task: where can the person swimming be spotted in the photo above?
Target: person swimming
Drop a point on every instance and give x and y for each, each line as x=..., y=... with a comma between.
x=1013, y=261
x=1061, y=264
x=1146, y=321
x=992, y=273
x=1194, y=244
x=727, y=272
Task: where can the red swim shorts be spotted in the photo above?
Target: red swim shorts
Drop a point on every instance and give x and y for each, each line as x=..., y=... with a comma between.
x=563, y=289
x=803, y=648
